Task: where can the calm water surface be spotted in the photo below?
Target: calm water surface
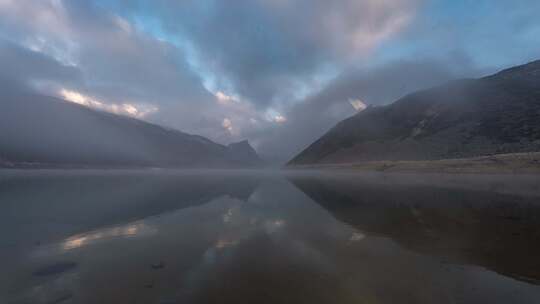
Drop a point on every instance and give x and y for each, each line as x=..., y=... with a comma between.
x=247, y=237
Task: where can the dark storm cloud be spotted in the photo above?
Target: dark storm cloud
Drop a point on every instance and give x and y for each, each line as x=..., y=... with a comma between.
x=387, y=82
x=84, y=49
x=26, y=67
x=267, y=49
x=263, y=51
x=120, y=62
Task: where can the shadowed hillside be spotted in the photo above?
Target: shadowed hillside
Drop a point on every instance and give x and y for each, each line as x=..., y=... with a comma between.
x=44, y=131
x=464, y=118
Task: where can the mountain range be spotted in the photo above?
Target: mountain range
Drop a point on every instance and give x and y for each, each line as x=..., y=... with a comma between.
x=39, y=131
x=497, y=114
x=464, y=118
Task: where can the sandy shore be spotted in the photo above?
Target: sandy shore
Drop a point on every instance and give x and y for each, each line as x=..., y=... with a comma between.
x=516, y=163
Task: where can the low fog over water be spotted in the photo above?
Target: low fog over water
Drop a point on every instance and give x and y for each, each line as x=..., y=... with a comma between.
x=166, y=236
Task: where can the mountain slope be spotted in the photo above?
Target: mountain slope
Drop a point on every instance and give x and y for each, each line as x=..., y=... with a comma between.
x=244, y=152
x=44, y=130
x=464, y=118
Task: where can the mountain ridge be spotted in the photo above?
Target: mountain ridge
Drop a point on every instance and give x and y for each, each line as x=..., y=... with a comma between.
x=495, y=114
x=44, y=131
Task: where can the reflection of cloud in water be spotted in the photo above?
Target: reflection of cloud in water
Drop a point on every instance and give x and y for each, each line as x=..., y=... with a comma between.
x=227, y=216
x=274, y=225
x=357, y=236
x=130, y=230
x=85, y=239
x=224, y=243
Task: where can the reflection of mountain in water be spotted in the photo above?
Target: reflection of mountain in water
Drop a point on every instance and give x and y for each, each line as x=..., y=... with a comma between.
x=269, y=245
x=497, y=231
x=64, y=203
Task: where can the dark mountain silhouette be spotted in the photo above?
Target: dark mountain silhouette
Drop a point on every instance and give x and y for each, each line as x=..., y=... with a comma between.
x=243, y=152
x=464, y=118
x=37, y=130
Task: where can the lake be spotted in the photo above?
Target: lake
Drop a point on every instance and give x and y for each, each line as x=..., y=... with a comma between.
x=166, y=236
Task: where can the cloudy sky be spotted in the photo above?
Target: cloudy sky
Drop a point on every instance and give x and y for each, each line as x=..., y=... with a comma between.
x=276, y=72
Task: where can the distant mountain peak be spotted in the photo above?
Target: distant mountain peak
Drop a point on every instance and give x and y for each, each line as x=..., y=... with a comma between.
x=243, y=143
x=243, y=150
